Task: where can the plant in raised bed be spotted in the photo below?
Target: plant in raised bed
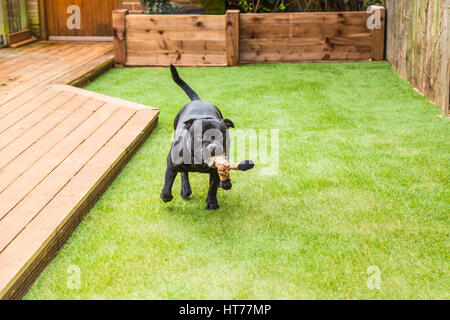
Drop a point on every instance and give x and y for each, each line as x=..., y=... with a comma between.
x=160, y=7
x=260, y=6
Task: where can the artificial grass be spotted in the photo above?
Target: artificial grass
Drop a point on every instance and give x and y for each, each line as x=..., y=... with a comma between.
x=363, y=181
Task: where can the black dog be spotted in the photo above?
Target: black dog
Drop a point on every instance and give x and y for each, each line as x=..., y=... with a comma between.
x=200, y=133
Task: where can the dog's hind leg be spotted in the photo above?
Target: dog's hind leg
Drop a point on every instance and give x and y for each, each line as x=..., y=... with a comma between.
x=166, y=193
x=211, y=200
x=186, y=189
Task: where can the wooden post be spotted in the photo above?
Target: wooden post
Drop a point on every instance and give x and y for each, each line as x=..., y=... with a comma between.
x=119, y=33
x=3, y=22
x=232, y=32
x=378, y=33
x=43, y=20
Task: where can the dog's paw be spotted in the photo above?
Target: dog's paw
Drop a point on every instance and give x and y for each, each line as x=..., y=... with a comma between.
x=185, y=192
x=212, y=206
x=166, y=197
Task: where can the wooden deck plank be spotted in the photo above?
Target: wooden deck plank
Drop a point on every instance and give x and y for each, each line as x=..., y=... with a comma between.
x=7, y=55
x=23, y=159
x=45, y=234
x=26, y=109
x=11, y=145
x=26, y=49
x=33, y=203
x=60, y=148
x=15, y=192
x=22, y=70
x=20, y=62
x=36, y=60
x=18, y=101
x=60, y=62
x=99, y=96
x=86, y=72
x=36, y=117
x=42, y=59
x=49, y=73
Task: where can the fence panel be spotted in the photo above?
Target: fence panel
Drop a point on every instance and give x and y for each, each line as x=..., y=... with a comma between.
x=418, y=46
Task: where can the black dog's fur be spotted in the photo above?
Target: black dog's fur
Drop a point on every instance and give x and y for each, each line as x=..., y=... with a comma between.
x=211, y=118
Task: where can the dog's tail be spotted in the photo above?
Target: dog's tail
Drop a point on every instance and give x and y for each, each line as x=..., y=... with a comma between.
x=191, y=93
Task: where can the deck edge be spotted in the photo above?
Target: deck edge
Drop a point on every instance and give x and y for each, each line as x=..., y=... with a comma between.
x=99, y=96
x=70, y=82
x=25, y=278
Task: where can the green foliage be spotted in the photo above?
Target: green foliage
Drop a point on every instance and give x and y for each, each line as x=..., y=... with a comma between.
x=363, y=181
x=301, y=5
x=160, y=7
x=265, y=6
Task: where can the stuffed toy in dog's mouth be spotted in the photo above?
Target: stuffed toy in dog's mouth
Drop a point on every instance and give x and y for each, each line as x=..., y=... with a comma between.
x=224, y=166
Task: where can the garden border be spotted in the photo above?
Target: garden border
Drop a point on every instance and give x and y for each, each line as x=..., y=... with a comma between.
x=235, y=38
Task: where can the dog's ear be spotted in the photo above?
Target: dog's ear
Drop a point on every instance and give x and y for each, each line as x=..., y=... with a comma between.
x=228, y=123
x=189, y=123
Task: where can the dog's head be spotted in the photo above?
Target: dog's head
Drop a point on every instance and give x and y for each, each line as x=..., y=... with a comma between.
x=208, y=137
x=199, y=139
x=212, y=142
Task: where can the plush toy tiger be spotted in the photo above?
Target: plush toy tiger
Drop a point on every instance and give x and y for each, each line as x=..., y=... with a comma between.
x=224, y=166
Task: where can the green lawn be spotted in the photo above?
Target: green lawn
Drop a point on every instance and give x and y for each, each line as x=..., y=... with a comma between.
x=363, y=181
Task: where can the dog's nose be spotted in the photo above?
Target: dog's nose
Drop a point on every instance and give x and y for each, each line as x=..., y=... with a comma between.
x=225, y=185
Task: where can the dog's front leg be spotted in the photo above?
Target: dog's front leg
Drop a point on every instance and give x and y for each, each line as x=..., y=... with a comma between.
x=211, y=200
x=166, y=193
x=186, y=189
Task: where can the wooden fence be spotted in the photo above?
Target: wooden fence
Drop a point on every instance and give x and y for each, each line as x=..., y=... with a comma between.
x=418, y=44
x=233, y=38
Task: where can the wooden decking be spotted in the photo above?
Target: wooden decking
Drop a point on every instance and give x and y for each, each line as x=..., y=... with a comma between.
x=60, y=147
